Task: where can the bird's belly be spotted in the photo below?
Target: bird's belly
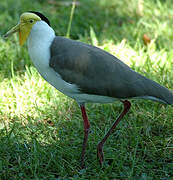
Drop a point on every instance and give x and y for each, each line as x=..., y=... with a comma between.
x=56, y=81
x=70, y=90
x=87, y=98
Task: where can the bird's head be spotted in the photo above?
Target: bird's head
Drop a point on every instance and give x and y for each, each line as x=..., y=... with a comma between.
x=26, y=22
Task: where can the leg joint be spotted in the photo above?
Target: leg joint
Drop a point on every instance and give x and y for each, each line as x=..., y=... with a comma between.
x=127, y=104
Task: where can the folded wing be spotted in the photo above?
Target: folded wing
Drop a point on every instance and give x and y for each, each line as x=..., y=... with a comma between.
x=97, y=72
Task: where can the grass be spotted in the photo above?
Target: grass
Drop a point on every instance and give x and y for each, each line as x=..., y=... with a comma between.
x=41, y=130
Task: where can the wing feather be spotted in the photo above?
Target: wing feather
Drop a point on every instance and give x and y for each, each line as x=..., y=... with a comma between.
x=97, y=72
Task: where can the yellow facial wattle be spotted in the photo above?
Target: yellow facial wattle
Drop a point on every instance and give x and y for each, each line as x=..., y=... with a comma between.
x=27, y=20
x=24, y=31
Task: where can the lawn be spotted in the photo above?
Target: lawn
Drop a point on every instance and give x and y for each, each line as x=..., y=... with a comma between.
x=41, y=130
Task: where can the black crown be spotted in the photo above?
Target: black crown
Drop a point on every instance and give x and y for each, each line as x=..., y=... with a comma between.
x=41, y=16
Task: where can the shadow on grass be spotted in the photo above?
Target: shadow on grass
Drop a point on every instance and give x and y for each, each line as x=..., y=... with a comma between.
x=41, y=150
x=51, y=148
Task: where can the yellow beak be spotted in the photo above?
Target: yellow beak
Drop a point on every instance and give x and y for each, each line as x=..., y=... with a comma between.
x=12, y=30
x=23, y=33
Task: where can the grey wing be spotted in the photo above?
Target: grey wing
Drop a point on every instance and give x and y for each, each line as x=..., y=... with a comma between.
x=95, y=71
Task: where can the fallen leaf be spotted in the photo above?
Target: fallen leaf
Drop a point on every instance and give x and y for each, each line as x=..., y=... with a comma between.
x=146, y=39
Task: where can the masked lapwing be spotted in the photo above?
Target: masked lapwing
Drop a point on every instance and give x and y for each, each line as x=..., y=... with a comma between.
x=84, y=72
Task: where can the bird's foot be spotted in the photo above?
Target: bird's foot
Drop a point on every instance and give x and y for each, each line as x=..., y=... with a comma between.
x=100, y=154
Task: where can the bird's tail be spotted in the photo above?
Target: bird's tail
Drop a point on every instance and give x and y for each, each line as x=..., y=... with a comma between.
x=156, y=92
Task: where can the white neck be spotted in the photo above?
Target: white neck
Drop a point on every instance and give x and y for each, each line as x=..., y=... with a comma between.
x=40, y=31
x=39, y=42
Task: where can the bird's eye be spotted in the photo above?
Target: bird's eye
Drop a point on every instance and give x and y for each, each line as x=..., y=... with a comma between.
x=31, y=20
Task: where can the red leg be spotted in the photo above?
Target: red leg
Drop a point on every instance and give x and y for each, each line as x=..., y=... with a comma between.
x=86, y=131
x=100, y=155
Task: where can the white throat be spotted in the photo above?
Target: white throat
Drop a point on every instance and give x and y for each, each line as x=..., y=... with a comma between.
x=39, y=42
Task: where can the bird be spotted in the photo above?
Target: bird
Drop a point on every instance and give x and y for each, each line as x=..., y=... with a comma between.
x=84, y=72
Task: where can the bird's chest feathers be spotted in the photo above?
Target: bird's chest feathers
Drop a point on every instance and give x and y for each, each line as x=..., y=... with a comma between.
x=39, y=51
